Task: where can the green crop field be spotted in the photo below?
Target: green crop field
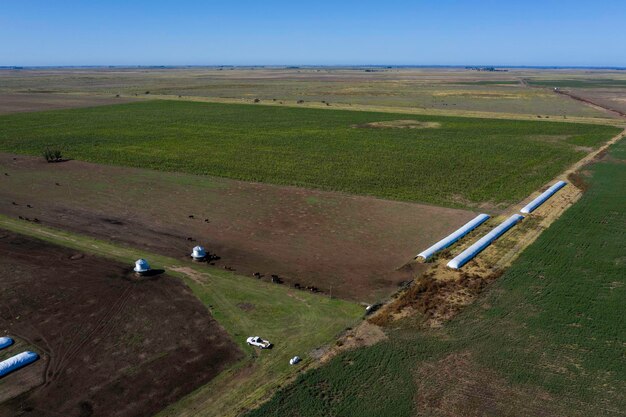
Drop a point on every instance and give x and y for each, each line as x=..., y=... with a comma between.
x=450, y=161
x=581, y=83
x=546, y=339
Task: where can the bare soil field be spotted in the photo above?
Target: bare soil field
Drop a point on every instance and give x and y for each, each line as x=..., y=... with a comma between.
x=614, y=99
x=111, y=344
x=27, y=102
x=353, y=246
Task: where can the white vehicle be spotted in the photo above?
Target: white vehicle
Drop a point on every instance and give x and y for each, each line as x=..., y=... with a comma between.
x=294, y=360
x=258, y=342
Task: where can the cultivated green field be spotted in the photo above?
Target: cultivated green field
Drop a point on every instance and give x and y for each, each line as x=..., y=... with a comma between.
x=581, y=83
x=448, y=160
x=547, y=339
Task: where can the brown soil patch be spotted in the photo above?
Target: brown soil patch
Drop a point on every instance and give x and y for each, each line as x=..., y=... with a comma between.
x=437, y=296
x=365, y=334
x=578, y=180
x=313, y=238
x=246, y=306
x=398, y=124
x=27, y=102
x=111, y=346
x=457, y=386
x=590, y=100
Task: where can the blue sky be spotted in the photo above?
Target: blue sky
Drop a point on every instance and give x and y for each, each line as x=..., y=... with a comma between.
x=267, y=32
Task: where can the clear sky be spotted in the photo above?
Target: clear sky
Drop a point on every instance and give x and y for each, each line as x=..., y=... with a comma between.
x=271, y=32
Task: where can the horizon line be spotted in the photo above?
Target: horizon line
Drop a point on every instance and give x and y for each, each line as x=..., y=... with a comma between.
x=297, y=66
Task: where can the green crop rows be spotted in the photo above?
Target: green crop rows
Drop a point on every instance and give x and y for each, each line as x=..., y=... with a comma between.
x=547, y=338
x=581, y=83
x=462, y=162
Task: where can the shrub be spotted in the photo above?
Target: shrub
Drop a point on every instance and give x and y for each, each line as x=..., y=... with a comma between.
x=52, y=155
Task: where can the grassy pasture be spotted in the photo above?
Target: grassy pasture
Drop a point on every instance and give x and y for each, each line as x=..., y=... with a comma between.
x=547, y=338
x=461, y=162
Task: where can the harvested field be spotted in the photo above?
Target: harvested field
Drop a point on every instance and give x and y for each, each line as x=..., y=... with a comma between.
x=27, y=102
x=112, y=345
x=314, y=238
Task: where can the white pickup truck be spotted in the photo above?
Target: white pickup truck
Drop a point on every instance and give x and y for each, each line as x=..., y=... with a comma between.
x=258, y=342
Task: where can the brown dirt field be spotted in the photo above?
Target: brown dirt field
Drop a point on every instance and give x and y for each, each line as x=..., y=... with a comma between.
x=27, y=102
x=111, y=345
x=601, y=104
x=611, y=99
x=354, y=244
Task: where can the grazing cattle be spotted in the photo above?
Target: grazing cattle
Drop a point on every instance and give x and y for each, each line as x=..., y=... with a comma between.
x=191, y=216
x=29, y=206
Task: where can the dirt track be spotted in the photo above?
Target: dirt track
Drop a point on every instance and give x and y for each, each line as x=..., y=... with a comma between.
x=322, y=239
x=111, y=345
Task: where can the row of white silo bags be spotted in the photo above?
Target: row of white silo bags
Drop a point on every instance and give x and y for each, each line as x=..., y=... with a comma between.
x=453, y=237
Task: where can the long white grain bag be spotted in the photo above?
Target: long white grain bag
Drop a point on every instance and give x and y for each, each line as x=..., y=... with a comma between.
x=453, y=237
x=530, y=207
x=5, y=342
x=16, y=362
x=483, y=242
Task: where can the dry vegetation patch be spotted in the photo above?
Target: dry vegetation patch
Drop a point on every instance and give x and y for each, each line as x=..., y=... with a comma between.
x=398, y=124
x=437, y=295
x=365, y=334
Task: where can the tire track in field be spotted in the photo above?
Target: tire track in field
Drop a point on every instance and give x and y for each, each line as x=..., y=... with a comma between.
x=103, y=325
